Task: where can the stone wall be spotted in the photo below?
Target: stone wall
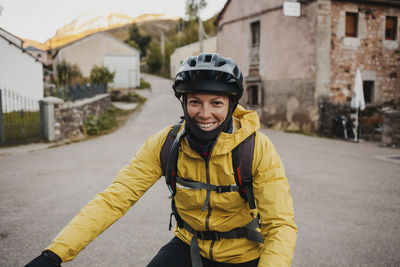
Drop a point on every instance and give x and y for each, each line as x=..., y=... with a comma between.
x=69, y=116
x=377, y=58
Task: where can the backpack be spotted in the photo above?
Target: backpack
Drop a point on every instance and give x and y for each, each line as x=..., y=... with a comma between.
x=242, y=158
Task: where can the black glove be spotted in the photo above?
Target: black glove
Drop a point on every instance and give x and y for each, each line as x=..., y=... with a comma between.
x=46, y=259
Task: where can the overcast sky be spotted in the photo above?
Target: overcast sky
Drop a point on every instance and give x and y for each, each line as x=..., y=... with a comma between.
x=40, y=19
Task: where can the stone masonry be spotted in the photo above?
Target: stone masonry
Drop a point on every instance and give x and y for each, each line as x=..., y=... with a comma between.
x=377, y=58
x=69, y=116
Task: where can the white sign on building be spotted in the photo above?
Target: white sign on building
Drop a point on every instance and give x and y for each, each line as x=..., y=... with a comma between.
x=291, y=9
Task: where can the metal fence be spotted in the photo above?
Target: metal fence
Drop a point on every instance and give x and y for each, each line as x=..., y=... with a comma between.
x=77, y=92
x=20, y=119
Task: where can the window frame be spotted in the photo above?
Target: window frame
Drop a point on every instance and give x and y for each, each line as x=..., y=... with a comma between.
x=354, y=33
x=255, y=33
x=393, y=37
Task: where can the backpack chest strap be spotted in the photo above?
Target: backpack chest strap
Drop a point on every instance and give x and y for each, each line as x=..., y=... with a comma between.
x=209, y=187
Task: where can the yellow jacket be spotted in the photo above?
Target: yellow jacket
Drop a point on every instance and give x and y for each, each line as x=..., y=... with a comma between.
x=225, y=211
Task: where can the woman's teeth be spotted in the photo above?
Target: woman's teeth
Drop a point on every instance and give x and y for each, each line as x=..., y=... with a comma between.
x=206, y=125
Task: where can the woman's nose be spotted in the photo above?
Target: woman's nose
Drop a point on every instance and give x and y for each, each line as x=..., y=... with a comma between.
x=205, y=112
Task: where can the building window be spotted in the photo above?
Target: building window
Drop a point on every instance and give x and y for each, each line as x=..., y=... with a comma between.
x=351, y=24
x=255, y=33
x=252, y=95
x=368, y=87
x=391, y=28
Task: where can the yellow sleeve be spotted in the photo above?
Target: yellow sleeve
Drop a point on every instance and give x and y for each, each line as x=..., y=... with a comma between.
x=275, y=205
x=108, y=206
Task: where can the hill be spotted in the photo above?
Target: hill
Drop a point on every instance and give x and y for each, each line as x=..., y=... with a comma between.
x=116, y=24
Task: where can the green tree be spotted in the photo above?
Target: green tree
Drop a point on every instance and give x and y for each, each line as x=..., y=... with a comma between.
x=101, y=75
x=154, y=60
x=67, y=74
x=193, y=8
x=137, y=40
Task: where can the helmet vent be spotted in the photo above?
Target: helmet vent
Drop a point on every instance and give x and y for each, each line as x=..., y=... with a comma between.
x=236, y=71
x=220, y=63
x=192, y=63
x=207, y=58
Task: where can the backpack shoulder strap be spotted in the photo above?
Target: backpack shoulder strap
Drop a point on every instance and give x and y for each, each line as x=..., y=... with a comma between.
x=242, y=160
x=167, y=146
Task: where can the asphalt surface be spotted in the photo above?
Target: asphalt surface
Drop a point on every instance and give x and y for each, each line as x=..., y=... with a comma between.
x=346, y=195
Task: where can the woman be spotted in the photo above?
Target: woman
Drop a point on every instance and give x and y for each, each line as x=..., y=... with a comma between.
x=221, y=220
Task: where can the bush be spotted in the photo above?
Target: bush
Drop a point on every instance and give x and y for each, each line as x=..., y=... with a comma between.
x=155, y=59
x=101, y=75
x=144, y=84
x=131, y=97
x=68, y=74
x=105, y=122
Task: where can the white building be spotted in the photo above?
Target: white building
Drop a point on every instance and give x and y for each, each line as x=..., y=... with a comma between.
x=102, y=49
x=181, y=53
x=20, y=72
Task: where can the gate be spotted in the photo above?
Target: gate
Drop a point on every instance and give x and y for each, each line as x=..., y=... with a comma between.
x=20, y=120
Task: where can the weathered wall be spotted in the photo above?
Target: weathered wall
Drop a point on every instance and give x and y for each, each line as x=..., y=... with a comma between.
x=282, y=39
x=69, y=116
x=378, y=59
x=287, y=58
x=289, y=104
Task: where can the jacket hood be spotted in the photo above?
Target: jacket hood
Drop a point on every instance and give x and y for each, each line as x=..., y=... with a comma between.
x=245, y=122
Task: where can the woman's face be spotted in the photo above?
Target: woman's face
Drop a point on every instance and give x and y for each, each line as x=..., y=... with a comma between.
x=207, y=110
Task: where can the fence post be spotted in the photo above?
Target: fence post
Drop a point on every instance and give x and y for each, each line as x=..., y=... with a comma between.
x=48, y=117
x=41, y=119
x=2, y=141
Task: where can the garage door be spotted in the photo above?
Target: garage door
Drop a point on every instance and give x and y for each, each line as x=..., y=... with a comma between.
x=126, y=69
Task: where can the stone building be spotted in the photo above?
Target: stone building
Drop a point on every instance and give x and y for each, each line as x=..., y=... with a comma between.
x=297, y=55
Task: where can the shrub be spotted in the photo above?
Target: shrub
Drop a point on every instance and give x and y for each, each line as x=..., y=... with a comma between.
x=144, y=84
x=131, y=97
x=101, y=75
x=68, y=74
x=105, y=122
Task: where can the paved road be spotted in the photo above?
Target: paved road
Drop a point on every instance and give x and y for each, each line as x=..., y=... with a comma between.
x=347, y=196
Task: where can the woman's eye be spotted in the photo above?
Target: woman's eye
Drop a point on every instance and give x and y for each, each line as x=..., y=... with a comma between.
x=218, y=103
x=193, y=101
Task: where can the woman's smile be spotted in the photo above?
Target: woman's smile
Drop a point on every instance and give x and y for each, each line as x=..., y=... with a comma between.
x=208, y=110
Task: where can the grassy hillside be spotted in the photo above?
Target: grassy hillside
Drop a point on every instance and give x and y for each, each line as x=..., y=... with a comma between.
x=152, y=28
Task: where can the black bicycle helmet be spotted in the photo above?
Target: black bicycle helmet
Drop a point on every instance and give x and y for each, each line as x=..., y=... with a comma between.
x=210, y=73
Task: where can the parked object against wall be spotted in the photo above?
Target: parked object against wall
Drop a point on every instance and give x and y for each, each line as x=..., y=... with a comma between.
x=391, y=129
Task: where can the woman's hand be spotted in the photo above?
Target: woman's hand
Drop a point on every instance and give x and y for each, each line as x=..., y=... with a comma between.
x=46, y=259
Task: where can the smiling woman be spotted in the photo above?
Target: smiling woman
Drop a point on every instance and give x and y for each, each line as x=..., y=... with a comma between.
x=208, y=111
x=230, y=196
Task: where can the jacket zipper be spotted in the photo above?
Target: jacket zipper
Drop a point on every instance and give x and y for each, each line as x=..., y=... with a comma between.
x=207, y=223
x=209, y=207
